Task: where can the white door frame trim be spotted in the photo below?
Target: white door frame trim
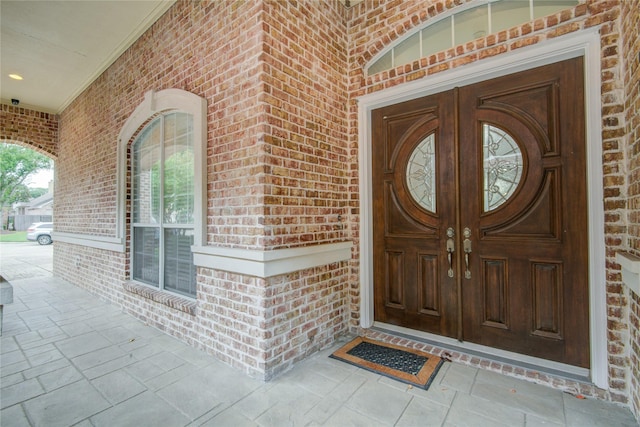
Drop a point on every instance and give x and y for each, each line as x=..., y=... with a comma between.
x=585, y=43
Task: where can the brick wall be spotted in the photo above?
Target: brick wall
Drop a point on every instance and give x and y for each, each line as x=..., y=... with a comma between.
x=263, y=326
x=376, y=25
x=183, y=50
x=232, y=80
x=273, y=77
x=305, y=97
x=614, y=183
x=29, y=128
x=630, y=50
x=305, y=163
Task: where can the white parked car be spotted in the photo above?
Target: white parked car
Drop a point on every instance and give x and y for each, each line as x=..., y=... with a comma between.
x=40, y=232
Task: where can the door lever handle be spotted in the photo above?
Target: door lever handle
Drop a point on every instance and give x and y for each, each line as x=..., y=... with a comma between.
x=466, y=246
x=450, y=249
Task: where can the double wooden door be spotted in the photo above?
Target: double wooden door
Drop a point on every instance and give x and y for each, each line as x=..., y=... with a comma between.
x=480, y=214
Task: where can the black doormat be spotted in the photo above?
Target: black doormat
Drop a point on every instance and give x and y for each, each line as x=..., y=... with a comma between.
x=408, y=365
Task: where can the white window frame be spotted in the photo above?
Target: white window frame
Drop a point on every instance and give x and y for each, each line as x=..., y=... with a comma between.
x=155, y=103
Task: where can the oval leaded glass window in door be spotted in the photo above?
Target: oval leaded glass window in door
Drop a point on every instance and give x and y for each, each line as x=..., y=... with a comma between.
x=502, y=160
x=421, y=174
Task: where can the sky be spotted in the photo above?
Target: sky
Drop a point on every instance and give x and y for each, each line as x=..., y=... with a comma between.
x=40, y=179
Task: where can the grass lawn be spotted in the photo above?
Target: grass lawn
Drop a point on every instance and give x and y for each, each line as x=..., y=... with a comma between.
x=13, y=236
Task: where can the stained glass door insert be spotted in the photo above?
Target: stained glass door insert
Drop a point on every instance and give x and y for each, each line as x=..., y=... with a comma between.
x=421, y=174
x=502, y=166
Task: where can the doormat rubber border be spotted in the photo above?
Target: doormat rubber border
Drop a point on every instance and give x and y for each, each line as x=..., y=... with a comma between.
x=422, y=379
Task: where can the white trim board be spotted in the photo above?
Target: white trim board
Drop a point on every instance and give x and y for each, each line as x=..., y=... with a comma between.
x=264, y=264
x=114, y=244
x=584, y=43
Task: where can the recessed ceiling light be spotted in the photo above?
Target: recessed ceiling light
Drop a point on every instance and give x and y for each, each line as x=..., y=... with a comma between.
x=15, y=76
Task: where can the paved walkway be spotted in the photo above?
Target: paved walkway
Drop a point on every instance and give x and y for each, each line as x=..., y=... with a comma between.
x=70, y=359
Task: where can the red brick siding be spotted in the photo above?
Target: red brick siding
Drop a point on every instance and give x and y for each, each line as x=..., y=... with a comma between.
x=265, y=325
x=307, y=311
x=376, y=25
x=306, y=146
x=276, y=167
x=95, y=270
x=614, y=202
x=207, y=48
x=185, y=49
x=232, y=79
x=29, y=128
x=630, y=55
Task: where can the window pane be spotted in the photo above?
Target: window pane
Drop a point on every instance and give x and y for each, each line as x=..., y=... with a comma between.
x=502, y=166
x=509, y=13
x=407, y=51
x=421, y=174
x=179, y=270
x=178, y=170
x=384, y=63
x=146, y=178
x=471, y=24
x=163, y=193
x=146, y=255
x=545, y=7
x=437, y=37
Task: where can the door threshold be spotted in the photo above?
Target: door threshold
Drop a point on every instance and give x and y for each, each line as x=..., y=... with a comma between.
x=515, y=360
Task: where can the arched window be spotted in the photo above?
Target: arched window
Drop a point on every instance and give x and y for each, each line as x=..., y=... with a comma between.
x=465, y=24
x=162, y=226
x=167, y=159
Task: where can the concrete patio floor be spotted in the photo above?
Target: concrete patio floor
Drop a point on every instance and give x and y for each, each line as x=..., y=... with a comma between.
x=70, y=359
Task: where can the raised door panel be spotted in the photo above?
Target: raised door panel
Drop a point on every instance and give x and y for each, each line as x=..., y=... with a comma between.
x=428, y=287
x=495, y=293
x=394, y=279
x=547, y=301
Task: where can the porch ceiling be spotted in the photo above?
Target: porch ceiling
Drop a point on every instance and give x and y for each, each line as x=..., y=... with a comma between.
x=60, y=47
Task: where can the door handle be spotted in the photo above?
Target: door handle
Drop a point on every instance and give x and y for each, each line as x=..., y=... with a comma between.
x=450, y=249
x=466, y=246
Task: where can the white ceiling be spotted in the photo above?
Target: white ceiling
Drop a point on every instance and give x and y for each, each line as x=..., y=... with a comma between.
x=60, y=47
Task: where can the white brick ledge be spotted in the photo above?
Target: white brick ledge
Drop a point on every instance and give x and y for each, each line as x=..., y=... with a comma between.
x=630, y=270
x=270, y=263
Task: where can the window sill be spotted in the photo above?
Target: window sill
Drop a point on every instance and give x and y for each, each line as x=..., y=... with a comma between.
x=177, y=302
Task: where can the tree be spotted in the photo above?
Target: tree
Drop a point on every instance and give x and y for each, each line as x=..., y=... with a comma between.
x=16, y=165
x=34, y=193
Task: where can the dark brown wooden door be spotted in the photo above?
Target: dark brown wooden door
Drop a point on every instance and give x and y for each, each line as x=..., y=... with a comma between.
x=505, y=174
x=412, y=286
